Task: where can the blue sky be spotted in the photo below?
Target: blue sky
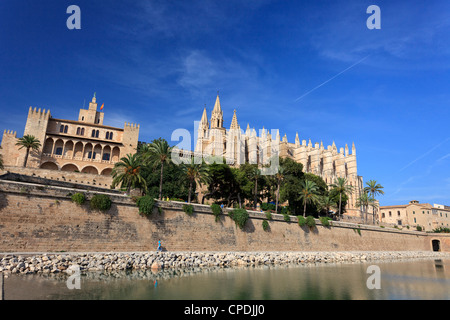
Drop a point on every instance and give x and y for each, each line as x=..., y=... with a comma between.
x=311, y=67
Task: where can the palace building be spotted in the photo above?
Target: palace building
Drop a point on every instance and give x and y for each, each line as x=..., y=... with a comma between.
x=85, y=145
x=238, y=146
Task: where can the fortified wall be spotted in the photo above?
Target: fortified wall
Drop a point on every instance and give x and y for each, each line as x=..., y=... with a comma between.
x=38, y=218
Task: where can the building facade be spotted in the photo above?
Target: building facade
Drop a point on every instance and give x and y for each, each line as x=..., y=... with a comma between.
x=238, y=146
x=425, y=215
x=85, y=145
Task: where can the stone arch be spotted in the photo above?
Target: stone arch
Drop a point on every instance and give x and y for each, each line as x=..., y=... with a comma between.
x=70, y=167
x=48, y=146
x=97, y=152
x=90, y=169
x=106, y=153
x=78, y=150
x=88, y=151
x=106, y=172
x=49, y=166
x=115, y=155
x=68, y=149
x=59, y=147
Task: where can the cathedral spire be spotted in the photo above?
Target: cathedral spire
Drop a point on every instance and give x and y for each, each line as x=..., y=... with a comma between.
x=217, y=115
x=234, y=123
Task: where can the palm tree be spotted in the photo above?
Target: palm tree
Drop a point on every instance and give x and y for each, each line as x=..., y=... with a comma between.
x=30, y=143
x=326, y=202
x=340, y=186
x=127, y=172
x=363, y=201
x=374, y=189
x=254, y=174
x=159, y=153
x=308, y=193
x=198, y=173
x=279, y=176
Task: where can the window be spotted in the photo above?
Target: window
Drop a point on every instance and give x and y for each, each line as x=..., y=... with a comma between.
x=110, y=136
x=383, y=214
x=414, y=212
x=107, y=135
x=61, y=129
x=78, y=131
x=91, y=155
x=95, y=133
x=66, y=128
x=82, y=131
x=398, y=213
x=390, y=214
x=58, y=151
x=414, y=220
x=106, y=156
x=399, y=222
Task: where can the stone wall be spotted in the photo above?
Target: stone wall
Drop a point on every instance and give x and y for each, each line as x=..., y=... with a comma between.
x=36, y=218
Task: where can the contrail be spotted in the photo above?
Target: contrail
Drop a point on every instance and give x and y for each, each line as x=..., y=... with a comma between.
x=356, y=63
x=425, y=154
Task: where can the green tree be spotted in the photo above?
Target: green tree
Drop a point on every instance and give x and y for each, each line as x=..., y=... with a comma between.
x=293, y=177
x=279, y=177
x=195, y=173
x=127, y=173
x=28, y=142
x=341, y=187
x=374, y=189
x=158, y=153
x=309, y=193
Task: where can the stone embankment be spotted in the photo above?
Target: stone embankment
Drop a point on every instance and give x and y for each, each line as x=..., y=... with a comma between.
x=69, y=262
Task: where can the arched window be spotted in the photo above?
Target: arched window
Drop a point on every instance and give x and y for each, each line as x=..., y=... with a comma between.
x=97, y=133
x=93, y=134
x=61, y=129
x=82, y=131
x=110, y=136
x=66, y=128
x=78, y=131
x=107, y=135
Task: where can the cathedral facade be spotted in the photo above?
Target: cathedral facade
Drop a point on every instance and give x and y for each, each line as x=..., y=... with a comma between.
x=238, y=146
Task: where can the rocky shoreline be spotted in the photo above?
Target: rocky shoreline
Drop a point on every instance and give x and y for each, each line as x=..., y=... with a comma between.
x=109, y=261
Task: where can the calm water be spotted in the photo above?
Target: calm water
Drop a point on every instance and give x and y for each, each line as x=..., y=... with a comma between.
x=412, y=279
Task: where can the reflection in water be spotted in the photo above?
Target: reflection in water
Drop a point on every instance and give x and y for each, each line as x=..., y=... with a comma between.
x=412, y=279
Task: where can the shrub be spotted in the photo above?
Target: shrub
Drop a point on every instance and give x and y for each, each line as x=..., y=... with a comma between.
x=146, y=205
x=78, y=198
x=217, y=211
x=268, y=215
x=239, y=216
x=265, y=225
x=286, y=217
x=325, y=221
x=100, y=202
x=310, y=222
x=189, y=209
x=301, y=221
x=419, y=228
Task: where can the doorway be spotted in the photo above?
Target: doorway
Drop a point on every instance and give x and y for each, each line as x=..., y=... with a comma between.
x=436, y=244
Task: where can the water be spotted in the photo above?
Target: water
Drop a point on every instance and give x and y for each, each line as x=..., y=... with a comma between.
x=421, y=279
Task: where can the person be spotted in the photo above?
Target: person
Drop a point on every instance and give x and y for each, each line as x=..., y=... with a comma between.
x=159, y=246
